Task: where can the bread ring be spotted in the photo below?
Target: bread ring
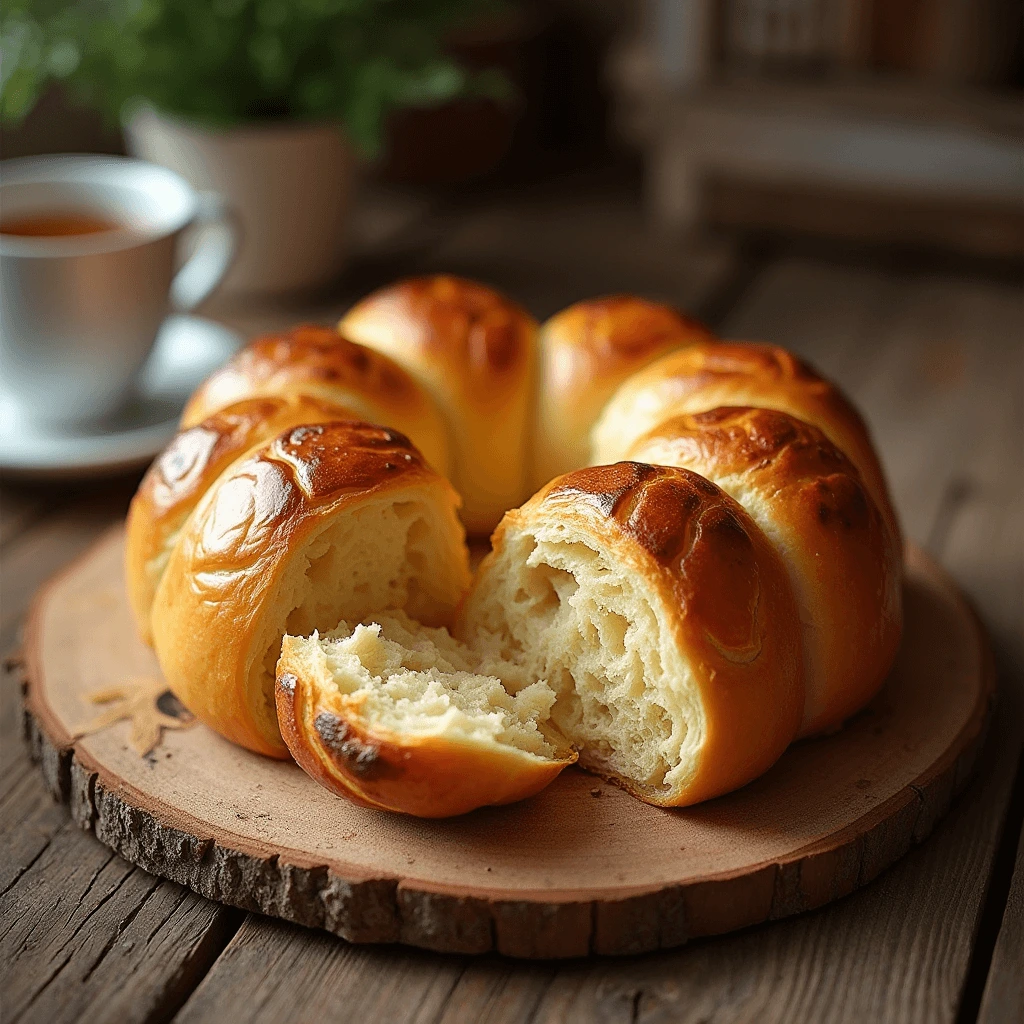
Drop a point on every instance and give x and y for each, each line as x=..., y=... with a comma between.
x=673, y=621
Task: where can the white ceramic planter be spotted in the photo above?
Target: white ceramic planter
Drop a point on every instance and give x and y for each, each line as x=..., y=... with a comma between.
x=289, y=184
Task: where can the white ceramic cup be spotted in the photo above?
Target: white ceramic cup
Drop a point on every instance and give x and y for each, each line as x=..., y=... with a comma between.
x=79, y=313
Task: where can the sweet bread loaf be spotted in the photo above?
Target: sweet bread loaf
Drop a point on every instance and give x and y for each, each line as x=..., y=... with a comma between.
x=324, y=523
x=474, y=352
x=586, y=352
x=808, y=498
x=723, y=579
x=718, y=373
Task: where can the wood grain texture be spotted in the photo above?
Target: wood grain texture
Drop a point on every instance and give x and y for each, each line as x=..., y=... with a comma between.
x=1003, y=999
x=83, y=934
x=259, y=834
x=87, y=936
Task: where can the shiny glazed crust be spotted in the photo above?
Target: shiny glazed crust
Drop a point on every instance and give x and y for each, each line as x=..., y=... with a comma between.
x=222, y=585
x=182, y=473
x=712, y=374
x=318, y=362
x=430, y=777
x=474, y=351
x=587, y=351
x=810, y=501
x=722, y=593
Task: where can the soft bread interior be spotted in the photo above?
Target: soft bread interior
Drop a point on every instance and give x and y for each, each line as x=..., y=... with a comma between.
x=560, y=647
x=403, y=551
x=569, y=612
x=411, y=680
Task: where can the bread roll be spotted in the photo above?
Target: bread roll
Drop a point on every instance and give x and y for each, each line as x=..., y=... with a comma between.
x=711, y=374
x=586, y=352
x=324, y=523
x=318, y=362
x=474, y=351
x=810, y=501
x=181, y=474
x=662, y=619
x=396, y=715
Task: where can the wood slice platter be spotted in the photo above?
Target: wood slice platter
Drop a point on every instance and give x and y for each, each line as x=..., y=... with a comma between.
x=581, y=868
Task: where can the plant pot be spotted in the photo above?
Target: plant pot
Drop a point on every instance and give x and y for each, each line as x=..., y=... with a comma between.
x=289, y=184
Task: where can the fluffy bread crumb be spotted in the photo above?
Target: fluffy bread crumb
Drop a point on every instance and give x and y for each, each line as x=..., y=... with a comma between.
x=416, y=680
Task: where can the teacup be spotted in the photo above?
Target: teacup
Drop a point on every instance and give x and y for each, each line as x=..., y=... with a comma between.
x=89, y=247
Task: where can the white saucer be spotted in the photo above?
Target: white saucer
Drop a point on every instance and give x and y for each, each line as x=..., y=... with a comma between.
x=187, y=349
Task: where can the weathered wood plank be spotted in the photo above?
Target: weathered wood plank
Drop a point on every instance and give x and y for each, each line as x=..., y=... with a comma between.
x=288, y=972
x=86, y=936
x=1003, y=999
x=83, y=934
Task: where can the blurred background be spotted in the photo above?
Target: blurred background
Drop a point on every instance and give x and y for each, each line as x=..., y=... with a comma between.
x=895, y=122
x=810, y=157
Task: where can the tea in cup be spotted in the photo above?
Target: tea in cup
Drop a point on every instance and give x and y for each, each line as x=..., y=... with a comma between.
x=89, y=247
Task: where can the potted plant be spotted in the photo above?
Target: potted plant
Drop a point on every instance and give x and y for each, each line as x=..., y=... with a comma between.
x=268, y=102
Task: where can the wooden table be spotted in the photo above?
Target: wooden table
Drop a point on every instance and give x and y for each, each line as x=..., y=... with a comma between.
x=933, y=353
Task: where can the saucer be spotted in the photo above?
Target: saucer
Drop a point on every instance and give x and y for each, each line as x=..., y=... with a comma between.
x=187, y=350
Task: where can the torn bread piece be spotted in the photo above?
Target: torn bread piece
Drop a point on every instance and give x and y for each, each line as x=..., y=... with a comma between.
x=401, y=716
x=662, y=619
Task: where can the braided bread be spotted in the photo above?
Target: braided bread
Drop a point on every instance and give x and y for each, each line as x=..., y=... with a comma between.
x=723, y=578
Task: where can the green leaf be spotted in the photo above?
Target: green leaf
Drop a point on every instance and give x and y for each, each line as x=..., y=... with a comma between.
x=227, y=61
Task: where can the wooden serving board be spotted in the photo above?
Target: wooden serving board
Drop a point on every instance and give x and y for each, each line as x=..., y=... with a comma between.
x=581, y=868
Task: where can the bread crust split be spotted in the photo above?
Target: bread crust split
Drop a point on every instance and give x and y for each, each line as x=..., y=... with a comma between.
x=320, y=363
x=280, y=541
x=707, y=375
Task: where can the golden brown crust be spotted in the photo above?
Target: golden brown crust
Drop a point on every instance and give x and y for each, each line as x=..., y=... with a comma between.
x=707, y=375
x=726, y=598
x=810, y=500
x=318, y=362
x=183, y=472
x=220, y=586
x=430, y=777
x=474, y=351
x=456, y=324
x=587, y=351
